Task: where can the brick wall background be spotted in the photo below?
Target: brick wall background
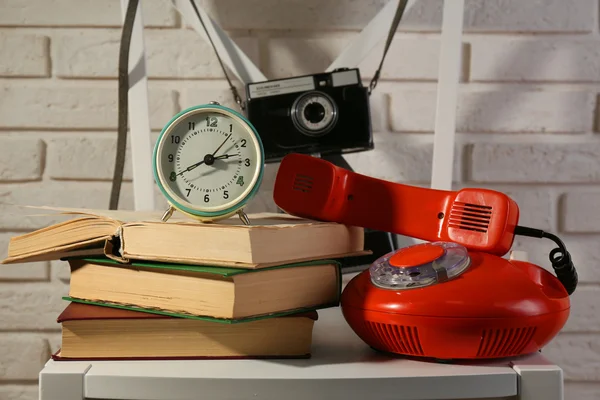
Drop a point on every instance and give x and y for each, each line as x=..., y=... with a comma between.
x=528, y=125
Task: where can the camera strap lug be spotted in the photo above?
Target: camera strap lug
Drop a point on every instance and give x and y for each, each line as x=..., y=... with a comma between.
x=236, y=96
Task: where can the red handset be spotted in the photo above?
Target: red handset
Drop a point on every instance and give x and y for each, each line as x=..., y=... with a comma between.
x=475, y=305
x=478, y=219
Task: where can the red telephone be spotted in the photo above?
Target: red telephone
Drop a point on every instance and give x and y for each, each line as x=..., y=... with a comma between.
x=452, y=298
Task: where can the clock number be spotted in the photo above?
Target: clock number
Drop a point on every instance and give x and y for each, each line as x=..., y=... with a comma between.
x=191, y=126
x=172, y=177
x=211, y=121
x=170, y=157
x=175, y=139
x=240, y=181
x=247, y=162
x=243, y=142
x=230, y=128
x=188, y=192
x=206, y=198
x=226, y=194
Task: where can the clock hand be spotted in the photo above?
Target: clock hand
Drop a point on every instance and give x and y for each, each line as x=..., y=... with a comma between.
x=210, y=161
x=224, y=156
x=219, y=148
x=191, y=167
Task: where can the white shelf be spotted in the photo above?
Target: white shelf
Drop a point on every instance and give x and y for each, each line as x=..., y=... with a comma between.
x=342, y=367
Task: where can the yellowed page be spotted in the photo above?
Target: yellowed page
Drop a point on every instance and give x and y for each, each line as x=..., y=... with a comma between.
x=130, y=216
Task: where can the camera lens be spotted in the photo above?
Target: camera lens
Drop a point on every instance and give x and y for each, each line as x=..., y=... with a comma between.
x=314, y=113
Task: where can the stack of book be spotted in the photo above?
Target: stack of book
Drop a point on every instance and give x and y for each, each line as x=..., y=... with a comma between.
x=145, y=289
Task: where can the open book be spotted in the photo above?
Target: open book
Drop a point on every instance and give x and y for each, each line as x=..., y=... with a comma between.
x=271, y=239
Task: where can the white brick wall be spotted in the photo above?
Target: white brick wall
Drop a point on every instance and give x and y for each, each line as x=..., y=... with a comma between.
x=527, y=125
x=24, y=55
x=561, y=59
x=43, y=104
x=497, y=111
x=22, y=158
x=535, y=162
x=86, y=13
x=173, y=54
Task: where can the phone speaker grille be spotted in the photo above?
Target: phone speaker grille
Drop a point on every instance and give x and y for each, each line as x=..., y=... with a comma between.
x=468, y=216
x=398, y=338
x=505, y=342
x=302, y=183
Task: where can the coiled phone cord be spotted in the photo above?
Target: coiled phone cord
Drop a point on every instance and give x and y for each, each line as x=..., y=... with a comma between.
x=559, y=257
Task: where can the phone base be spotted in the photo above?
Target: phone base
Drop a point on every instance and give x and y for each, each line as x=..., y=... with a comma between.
x=496, y=309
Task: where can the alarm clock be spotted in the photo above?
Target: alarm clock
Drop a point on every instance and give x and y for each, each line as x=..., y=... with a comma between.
x=208, y=162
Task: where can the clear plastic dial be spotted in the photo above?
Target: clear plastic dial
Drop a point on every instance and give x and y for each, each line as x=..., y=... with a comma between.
x=453, y=262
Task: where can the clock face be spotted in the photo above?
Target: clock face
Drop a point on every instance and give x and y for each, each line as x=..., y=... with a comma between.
x=209, y=160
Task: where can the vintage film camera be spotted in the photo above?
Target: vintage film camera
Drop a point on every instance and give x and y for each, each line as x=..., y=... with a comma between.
x=325, y=113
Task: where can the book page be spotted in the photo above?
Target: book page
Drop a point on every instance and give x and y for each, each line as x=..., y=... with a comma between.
x=132, y=217
x=118, y=215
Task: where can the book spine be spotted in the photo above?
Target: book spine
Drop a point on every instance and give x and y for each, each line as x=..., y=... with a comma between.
x=114, y=248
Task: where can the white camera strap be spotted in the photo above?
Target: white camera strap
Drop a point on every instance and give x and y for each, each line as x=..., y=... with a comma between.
x=394, y=25
x=227, y=51
x=361, y=46
x=234, y=92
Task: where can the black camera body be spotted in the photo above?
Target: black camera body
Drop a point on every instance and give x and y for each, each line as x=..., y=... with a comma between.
x=326, y=113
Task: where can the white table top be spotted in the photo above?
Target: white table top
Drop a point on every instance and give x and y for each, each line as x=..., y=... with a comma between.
x=342, y=367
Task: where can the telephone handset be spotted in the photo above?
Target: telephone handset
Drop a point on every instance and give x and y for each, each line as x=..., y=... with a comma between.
x=478, y=219
x=454, y=297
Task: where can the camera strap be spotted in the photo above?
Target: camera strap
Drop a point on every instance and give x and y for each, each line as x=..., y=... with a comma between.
x=388, y=42
x=397, y=17
x=123, y=98
x=234, y=91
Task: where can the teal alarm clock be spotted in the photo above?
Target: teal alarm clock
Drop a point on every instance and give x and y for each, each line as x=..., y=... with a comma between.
x=208, y=162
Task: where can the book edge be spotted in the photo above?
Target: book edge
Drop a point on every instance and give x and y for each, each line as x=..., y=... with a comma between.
x=57, y=357
x=68, y=315
x=217, y=270
x=335, y=303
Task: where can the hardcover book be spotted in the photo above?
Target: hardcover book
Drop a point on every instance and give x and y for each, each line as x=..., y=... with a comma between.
x=227, y=294
x=271, y=239
x=105, y=333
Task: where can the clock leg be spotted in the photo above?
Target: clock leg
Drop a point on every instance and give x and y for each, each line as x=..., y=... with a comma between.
x=167, y=214
x=244, y=217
